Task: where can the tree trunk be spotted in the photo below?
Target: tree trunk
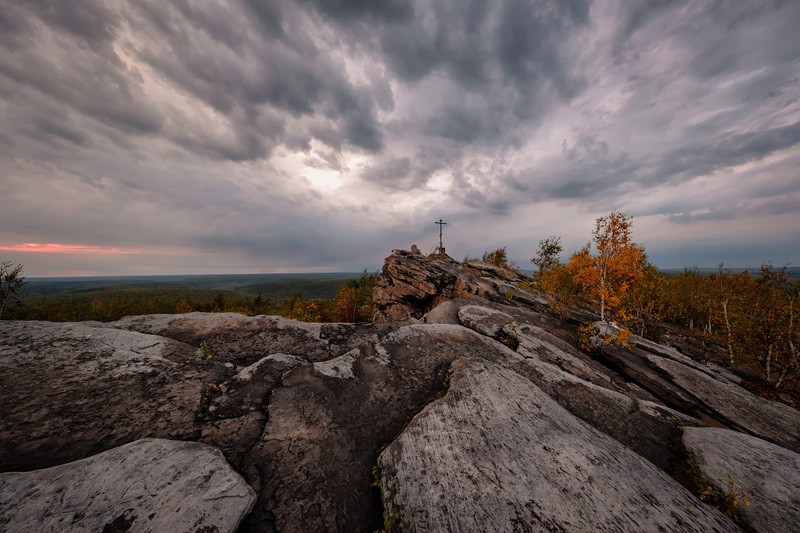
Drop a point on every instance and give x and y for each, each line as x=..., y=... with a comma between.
x=792, y=347
x=728, y=329
x=769, y=361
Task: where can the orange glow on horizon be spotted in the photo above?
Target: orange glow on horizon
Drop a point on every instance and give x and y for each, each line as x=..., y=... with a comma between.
x=55, y=248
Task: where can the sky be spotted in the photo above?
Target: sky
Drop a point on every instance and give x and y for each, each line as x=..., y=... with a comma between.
x=252, y=136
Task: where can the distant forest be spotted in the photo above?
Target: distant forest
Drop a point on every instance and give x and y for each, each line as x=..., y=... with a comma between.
x=345, y=297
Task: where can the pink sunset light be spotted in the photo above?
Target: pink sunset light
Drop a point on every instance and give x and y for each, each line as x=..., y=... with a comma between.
x=56, y=248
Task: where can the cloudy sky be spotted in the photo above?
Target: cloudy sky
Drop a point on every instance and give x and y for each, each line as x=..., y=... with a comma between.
x=233, y=136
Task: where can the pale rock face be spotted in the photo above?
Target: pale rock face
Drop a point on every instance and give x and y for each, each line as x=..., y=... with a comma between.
x=484, y=320
x=497, y=454
x=765, y=474
x=150, y=485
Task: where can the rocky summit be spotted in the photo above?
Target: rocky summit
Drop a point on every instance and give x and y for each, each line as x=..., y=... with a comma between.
x=464, y=406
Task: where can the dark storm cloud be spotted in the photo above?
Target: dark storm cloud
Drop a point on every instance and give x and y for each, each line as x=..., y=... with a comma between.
x=495, y=189
x=729, y=151
x=347, y=11
x=716, y=102
x=753, y=35
x=280, y=70
x=260, y=64
x=503, y=65
x=774, y=206
x=467, y=40
x=635, y=14
x=389, y=172
x=90, y=21
x=93, y=82
x=590, y=170
x=507, y=56
x=243, y=66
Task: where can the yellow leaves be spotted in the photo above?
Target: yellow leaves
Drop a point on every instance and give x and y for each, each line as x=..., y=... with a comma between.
x=559, y=287
x=618, y=265
x=624, y=336
x=586, y=336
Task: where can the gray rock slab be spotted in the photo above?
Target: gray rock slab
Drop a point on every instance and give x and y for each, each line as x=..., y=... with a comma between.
x=486, y=321
x=536, y=342
x=633, y=364
x=741, y=409
x=707, y=367
x=518, y=295
x=150, y=485
x=607, y=406
x=73, y=390
x=243, y=340
x=497, y=454
x=764, y=473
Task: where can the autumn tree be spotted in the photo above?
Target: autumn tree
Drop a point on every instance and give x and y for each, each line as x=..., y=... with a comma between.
x=618, y=264
x=353, y=301
x=11, y=282
x=559, y=288
x=688, y=301
x=758, y=320
x=646, y=301
x=548, y=254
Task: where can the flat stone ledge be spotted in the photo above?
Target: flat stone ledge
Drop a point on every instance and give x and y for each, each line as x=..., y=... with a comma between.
x=150, y=485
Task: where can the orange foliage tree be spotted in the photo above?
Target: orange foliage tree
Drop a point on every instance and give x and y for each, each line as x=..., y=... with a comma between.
x=559, y=287
x=618, y=264
x=353, y=301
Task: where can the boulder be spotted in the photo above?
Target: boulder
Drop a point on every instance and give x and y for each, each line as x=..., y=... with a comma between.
x=411, y=284
x=498, y=454
x=150, y=485
x=764, y=474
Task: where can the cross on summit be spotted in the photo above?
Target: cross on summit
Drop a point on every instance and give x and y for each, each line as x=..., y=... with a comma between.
x=440, y=249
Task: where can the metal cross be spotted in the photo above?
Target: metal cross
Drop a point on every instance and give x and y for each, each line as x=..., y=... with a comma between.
x=441, y=225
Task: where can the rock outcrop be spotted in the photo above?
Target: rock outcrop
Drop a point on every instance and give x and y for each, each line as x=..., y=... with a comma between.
x=149, y=485
x=490, y=416
x=411, y=284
